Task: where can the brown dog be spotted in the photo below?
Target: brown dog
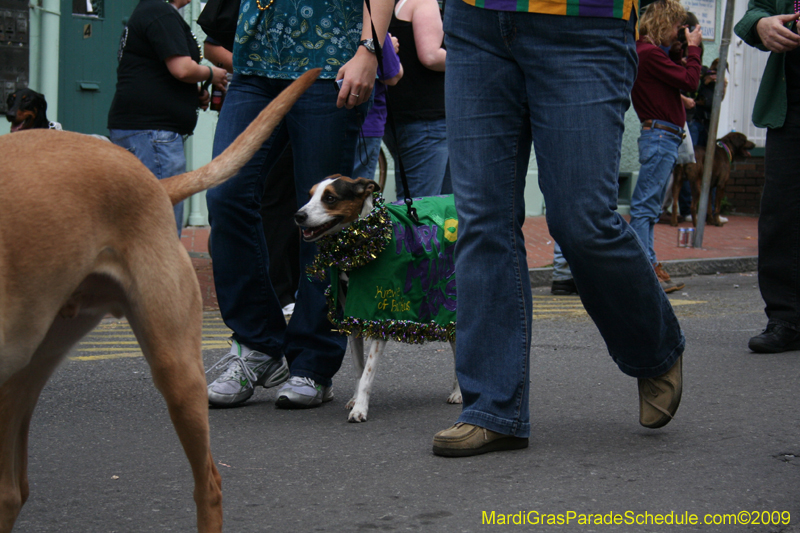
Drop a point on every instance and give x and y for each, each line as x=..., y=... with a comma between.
x=728, y=148
x=86, y=230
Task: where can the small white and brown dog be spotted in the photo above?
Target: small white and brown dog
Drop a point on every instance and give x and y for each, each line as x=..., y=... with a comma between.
x=334, y=204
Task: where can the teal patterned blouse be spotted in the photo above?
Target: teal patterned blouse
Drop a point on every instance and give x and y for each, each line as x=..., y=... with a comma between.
x=292, y=36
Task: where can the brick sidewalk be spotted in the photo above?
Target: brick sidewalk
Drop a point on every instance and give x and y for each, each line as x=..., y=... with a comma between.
x=737, y=238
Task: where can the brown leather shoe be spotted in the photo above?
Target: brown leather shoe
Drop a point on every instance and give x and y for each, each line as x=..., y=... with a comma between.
x=666, y=282
x=464, y=440
x=659, y=397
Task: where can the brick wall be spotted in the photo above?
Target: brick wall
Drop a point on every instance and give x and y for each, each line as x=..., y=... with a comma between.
x=745, y=184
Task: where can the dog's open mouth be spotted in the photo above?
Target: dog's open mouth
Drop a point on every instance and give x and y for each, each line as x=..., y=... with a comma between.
x=24, y=124
x=312, y=234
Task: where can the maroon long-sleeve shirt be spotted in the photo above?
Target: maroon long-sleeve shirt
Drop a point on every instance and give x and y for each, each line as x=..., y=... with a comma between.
x=656, y=91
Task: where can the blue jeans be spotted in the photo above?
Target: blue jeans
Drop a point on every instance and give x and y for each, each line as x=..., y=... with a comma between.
x=658, y=151
x=323, y=141
x=160, y=151
x=561, y=271
x=423, y=148
x=367, y=151
x=574, y=117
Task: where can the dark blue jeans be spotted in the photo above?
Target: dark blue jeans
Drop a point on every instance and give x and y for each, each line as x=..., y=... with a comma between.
x=563, y=84
x=323, y=141
x=779, y=224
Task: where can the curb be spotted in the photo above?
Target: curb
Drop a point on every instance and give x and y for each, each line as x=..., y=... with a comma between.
x=541, y=277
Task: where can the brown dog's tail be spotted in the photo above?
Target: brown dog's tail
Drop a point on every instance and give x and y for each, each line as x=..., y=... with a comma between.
x=228, y=163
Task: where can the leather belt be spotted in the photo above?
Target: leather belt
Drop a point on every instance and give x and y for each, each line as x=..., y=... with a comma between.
x=647, y=124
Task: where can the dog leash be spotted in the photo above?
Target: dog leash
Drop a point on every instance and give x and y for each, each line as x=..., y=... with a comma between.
x=412, y=212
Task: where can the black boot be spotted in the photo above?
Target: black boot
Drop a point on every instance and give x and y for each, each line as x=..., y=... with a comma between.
x=563, y=287
x=775, y=339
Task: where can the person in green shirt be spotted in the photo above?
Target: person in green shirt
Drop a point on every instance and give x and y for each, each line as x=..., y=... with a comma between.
x=770, y=25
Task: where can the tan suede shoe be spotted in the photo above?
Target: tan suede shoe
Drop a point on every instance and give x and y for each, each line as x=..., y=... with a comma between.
x=659, y=397
x=464, y=440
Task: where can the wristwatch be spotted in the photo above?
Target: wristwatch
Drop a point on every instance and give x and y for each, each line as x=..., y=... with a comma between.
x=369, y=44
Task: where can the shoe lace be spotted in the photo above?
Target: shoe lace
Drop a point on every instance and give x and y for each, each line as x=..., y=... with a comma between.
x=237, y=368
x=299, y=381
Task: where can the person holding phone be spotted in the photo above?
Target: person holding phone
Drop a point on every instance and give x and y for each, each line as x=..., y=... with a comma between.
x=656, y=98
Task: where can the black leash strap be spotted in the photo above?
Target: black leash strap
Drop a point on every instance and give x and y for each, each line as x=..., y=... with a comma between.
x=412, y=212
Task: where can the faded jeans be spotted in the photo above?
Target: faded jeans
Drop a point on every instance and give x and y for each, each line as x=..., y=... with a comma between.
x=160, y=151
x=563, y=84
x=423, y=149
x=658, y=151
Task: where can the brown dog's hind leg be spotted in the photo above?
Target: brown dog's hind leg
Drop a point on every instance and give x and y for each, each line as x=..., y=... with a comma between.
x=167, y=317
x=18, y=397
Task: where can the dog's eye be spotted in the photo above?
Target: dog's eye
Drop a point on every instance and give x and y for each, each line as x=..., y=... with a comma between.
x=329, y=199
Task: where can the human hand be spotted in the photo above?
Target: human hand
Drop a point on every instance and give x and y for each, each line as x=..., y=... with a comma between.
x=204, y=98
x=358, y=78
x=774, y=34
x=395, y=43
x=220, y=78
x=688, y=103
x=694, y=37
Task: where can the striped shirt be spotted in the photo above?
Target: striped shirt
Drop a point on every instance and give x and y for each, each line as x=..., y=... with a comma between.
x=577, y=8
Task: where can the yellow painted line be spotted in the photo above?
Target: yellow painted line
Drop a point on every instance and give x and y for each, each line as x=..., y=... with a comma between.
x=131, y=352
x=574, y=308
x=106, y=356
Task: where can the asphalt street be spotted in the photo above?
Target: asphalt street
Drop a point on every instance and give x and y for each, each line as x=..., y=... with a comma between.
x=104, y=456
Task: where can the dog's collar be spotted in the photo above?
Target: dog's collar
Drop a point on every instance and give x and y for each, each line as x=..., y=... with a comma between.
x=356, y=245
x=727, y=151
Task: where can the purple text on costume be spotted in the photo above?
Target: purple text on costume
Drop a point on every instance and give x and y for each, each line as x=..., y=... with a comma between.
x=417, y=240
x=436, y=275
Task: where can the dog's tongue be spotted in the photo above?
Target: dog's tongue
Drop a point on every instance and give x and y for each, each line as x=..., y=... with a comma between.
x=17, y=127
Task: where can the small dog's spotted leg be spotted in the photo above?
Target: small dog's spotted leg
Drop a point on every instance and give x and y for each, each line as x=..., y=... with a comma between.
x=357, y=351
x=361, y=406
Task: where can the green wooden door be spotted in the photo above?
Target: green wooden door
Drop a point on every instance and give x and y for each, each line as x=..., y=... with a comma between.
x=90, y=32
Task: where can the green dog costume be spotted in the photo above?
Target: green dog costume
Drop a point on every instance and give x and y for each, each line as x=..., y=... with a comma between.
x=401, y=274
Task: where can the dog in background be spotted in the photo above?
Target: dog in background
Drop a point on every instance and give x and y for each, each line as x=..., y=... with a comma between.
x=334, y=204
x=111, y=248
x=27, y=110
x=731, y=146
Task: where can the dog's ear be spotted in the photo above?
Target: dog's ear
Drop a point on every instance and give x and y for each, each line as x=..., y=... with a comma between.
x=41, y=101
x=366, y=186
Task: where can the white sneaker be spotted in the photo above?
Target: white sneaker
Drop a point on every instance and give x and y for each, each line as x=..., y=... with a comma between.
x=723, y=220
x=301, y=393
x=288, y=309
x=238, y=382
x=688, y=218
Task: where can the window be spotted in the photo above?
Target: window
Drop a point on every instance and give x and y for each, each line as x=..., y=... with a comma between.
x=87, y=8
